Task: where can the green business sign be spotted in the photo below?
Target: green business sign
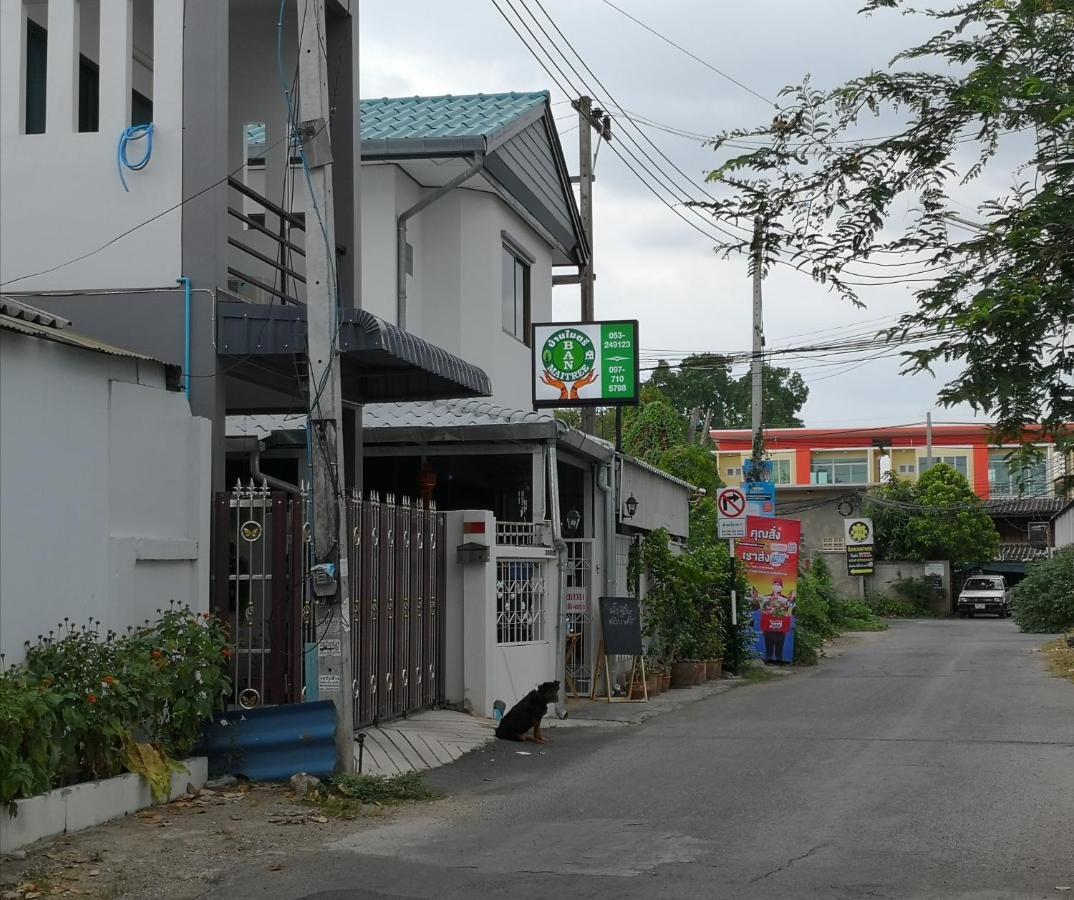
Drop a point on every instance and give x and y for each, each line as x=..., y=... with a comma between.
x=585, y=364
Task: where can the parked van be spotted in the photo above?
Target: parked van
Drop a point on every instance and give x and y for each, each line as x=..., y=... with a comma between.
x=984, y=594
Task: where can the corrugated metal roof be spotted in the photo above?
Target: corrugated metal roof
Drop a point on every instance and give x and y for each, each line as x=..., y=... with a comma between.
x=17, y=309
x=1020, y=553
x=446, y=414
x=69, y=338
x=1031, y=506
x=479, y=117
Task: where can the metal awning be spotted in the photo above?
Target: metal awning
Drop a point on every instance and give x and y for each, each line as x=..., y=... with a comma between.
x=380, y=362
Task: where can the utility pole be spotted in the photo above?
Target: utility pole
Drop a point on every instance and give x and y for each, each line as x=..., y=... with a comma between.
x=757, y=364
x=928, y=441
x=335, y=676
x=585, y=194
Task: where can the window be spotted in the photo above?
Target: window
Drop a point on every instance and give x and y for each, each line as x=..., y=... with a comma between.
x=907, y=468
x=781, y=471
x=36, y=71
x=520, y=589
x=840, y=470
x=516, y=295
x=89, y=74
x=959, y=463
x=1007, y=480
x=734, y=472
x=141, y=62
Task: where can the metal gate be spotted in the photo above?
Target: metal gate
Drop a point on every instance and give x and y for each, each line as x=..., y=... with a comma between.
x=578, y=585
x=397, y=580
x=258, y=580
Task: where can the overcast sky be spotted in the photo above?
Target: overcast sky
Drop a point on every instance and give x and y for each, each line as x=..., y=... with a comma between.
x=650, y=264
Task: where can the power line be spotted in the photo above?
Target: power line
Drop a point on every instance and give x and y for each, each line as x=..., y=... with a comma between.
x=692, y=56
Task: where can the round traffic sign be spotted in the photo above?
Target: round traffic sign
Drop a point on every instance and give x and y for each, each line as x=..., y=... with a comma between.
x=731, y=503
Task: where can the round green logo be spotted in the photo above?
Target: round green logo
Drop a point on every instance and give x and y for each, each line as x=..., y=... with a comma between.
x=568, y=355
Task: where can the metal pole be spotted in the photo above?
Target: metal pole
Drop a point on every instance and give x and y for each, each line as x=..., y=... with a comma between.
x=585, y=195
x=928, y=440
x=335, y=677
x=734, y=607
x=757, y=363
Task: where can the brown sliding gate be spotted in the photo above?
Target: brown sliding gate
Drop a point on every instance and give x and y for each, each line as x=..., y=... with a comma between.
x=261, y=589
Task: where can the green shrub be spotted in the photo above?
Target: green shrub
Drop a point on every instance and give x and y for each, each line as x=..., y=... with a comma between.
x=80, y=702
x=1044, y=600
x=910, y=599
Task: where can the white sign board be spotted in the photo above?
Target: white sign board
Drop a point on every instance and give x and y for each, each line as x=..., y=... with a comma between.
x=858, y=532
x=731, y=513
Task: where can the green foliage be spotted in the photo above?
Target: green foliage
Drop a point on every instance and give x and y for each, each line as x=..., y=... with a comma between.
x=936, y=517
x=385, y=790
x=73, y=710
x=821, y=613
x=1044, y=599
x=691, y=463
x=686, y=611
x=703, y=382
x=957, y=108
x=653, y=430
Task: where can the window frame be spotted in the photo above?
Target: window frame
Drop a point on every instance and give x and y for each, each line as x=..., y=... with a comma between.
x=830, y=465
x=521, y=263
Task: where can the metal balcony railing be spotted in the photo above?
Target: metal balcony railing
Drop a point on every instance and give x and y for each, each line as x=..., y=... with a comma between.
x=285, y=286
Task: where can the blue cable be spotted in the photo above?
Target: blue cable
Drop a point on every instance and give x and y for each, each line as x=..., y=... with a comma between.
x=134, y=133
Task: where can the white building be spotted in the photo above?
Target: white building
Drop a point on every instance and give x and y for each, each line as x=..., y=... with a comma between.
x=97, y=452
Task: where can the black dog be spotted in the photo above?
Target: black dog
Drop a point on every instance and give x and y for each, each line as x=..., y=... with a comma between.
x=527, y=714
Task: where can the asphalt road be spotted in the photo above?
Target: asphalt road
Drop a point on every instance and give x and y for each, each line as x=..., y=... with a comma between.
x=933, y=760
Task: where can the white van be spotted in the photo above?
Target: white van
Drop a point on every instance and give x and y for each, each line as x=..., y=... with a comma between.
x=984, y=594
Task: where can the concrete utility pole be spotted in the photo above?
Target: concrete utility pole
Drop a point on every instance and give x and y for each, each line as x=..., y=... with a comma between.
x=757, y=363
x=928, y=441
x=335, y=677
x=585, y=193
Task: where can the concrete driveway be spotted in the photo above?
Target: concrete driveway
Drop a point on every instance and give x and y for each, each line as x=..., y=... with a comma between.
x=933, y=760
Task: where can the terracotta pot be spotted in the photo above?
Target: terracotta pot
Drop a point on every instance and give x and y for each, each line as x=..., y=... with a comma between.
x=665, y=682
x=654, y=680
x=713, y=668
x=683, y=674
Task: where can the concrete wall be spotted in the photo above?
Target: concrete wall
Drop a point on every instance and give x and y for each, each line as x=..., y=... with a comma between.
x=62, y=197
x=104, y=476
x=886, y=573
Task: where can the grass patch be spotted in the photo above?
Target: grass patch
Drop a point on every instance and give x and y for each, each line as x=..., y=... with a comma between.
x=350, y=796
x=1061, y=657
x=873, y=624
x=758, y=675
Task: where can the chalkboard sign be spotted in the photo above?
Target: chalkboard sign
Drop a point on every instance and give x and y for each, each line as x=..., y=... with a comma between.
x=620, y=621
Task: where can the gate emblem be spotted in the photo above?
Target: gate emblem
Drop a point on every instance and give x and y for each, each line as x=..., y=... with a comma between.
x=251, y=531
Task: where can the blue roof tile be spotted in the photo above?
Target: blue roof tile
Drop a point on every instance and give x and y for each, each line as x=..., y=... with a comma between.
x=449, y=117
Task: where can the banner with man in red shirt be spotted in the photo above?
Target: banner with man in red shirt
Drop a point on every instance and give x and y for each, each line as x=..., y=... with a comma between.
x=769, y=555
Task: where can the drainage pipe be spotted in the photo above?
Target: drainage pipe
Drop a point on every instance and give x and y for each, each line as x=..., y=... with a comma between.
x=400, y=232
x=561, y=553
x=187, y=338
x=605, y=480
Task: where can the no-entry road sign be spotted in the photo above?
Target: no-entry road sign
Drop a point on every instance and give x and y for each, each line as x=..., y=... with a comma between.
x=731, y=513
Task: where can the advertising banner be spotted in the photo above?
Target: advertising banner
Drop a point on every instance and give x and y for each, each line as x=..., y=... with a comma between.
x=760, y=498
x=858, y=539
x=769, y=556
x=585, y=364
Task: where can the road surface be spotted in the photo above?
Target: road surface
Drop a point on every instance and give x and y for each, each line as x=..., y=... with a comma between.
x=933, y=760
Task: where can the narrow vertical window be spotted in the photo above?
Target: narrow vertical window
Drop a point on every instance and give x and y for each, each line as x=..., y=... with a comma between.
x=254, y=169
x=515, y=300
x=36, y=65
x=142, y=62
x=89, y=65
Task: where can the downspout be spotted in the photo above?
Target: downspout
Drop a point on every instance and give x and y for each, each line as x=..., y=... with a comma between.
x=256, y=473
x=400, y=232
x=604, y=483
x=187, y=338
x=561, y=553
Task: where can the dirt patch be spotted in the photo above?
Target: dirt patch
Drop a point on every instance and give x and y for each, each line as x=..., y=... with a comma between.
x=179, y=850
x=1060, y=655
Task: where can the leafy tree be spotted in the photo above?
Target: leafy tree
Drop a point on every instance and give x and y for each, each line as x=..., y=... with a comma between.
x=995, y=77
x=938, y=517
x=653, y=430
x=703, y=383
x=1044, y=600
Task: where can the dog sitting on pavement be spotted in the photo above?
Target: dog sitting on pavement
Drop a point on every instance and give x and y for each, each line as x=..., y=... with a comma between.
x=526, y=715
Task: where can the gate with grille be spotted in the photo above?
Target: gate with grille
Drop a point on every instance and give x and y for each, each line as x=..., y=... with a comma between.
x=578, y=586
x=397, y=565
x=258, y=582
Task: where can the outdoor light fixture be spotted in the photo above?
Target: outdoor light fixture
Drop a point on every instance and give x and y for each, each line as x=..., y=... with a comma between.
x=574, y=519
x=631, y=506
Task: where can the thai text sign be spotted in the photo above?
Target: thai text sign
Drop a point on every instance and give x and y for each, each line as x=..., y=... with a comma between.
x=859, y=542
x=585, y=364
x=769, y=555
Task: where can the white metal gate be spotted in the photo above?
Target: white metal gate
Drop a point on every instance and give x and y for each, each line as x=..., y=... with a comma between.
x=578, y=603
